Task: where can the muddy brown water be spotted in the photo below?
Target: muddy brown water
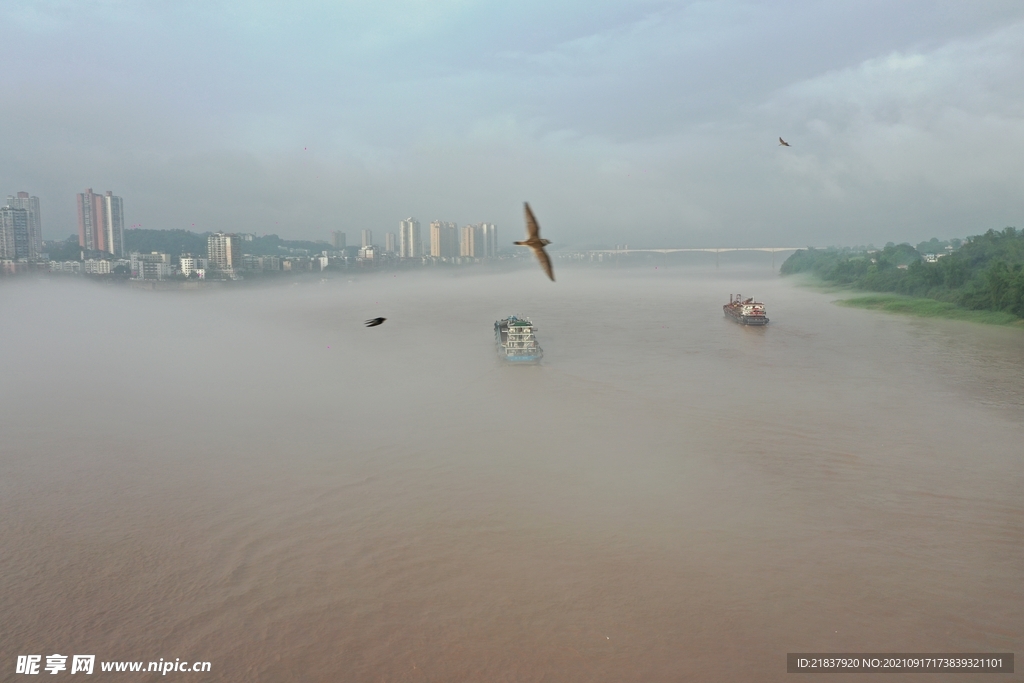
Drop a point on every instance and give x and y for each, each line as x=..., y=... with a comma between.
x=252, y=478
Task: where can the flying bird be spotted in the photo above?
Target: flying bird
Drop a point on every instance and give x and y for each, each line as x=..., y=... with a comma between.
x=783, y=143
x=534, y=242
x=375, y=322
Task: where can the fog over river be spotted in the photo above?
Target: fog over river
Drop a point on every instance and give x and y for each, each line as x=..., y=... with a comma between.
x=250, y=477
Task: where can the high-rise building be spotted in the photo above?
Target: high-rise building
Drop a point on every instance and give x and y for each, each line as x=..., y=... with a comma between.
x=14, y=233
x=338, y=239
x=489, y=234
x=224, y=252
x=391, y=243
x=409, y=238
x=114, y=223
x=367, y=238
x=444, y=239
x=90, y=218
x=7, y=231
x=35, y=229
x=101, y=222
x=471, y=244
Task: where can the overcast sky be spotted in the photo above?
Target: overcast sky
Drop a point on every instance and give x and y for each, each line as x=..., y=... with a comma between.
x=650, y=123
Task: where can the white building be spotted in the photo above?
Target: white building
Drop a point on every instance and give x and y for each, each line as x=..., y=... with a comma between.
x=409, y=238
x=369, y=253
x=151, y=266
x=224, y=251
x=189, y=264
x=114, y=223
x=71, y=267
x=489, y=236
x=96, y=267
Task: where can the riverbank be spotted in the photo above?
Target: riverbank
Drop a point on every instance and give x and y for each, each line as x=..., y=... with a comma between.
x=929, y=308
x=905, y=305
x=979, y=279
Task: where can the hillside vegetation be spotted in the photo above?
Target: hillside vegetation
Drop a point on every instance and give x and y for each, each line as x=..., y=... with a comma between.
x=177, y=242
x=985, y=273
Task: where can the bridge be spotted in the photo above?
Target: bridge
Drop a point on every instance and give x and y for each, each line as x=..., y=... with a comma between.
x=713, y=250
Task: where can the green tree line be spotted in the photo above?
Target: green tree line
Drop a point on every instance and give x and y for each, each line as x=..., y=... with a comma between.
x=178, y=242
x=985, y=273
x=174, y=242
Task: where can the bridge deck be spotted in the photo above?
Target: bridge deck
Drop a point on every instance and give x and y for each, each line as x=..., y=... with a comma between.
x=712, y=250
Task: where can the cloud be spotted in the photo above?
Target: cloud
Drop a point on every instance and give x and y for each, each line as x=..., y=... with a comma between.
x=654, y=121
x=925, y=138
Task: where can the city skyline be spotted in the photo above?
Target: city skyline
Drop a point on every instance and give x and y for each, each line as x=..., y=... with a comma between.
x=101, y=229
x=478, y=240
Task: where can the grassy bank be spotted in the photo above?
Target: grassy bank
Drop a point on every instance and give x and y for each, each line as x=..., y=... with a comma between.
x=983, y=274
x=929, y=308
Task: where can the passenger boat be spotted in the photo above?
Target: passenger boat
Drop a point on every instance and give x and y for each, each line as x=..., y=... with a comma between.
x=745, y=311
x=515, y=341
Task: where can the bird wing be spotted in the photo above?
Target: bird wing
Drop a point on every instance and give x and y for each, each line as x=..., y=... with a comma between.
x=545, y=262
x=532, y=229
x=783, y=142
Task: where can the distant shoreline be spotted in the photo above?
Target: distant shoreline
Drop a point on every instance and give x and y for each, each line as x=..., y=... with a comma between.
x=929, y=308
x=919, y=307
x=979, y=279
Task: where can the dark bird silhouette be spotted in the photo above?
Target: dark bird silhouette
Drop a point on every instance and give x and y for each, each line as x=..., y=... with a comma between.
x=783, y=143
x=375, y=322
x=534, y=242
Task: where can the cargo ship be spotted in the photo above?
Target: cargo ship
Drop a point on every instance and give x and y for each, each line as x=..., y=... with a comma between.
x=745, y=311
x=515, y=341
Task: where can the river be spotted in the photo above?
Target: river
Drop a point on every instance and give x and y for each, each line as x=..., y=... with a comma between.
x=252, y=478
